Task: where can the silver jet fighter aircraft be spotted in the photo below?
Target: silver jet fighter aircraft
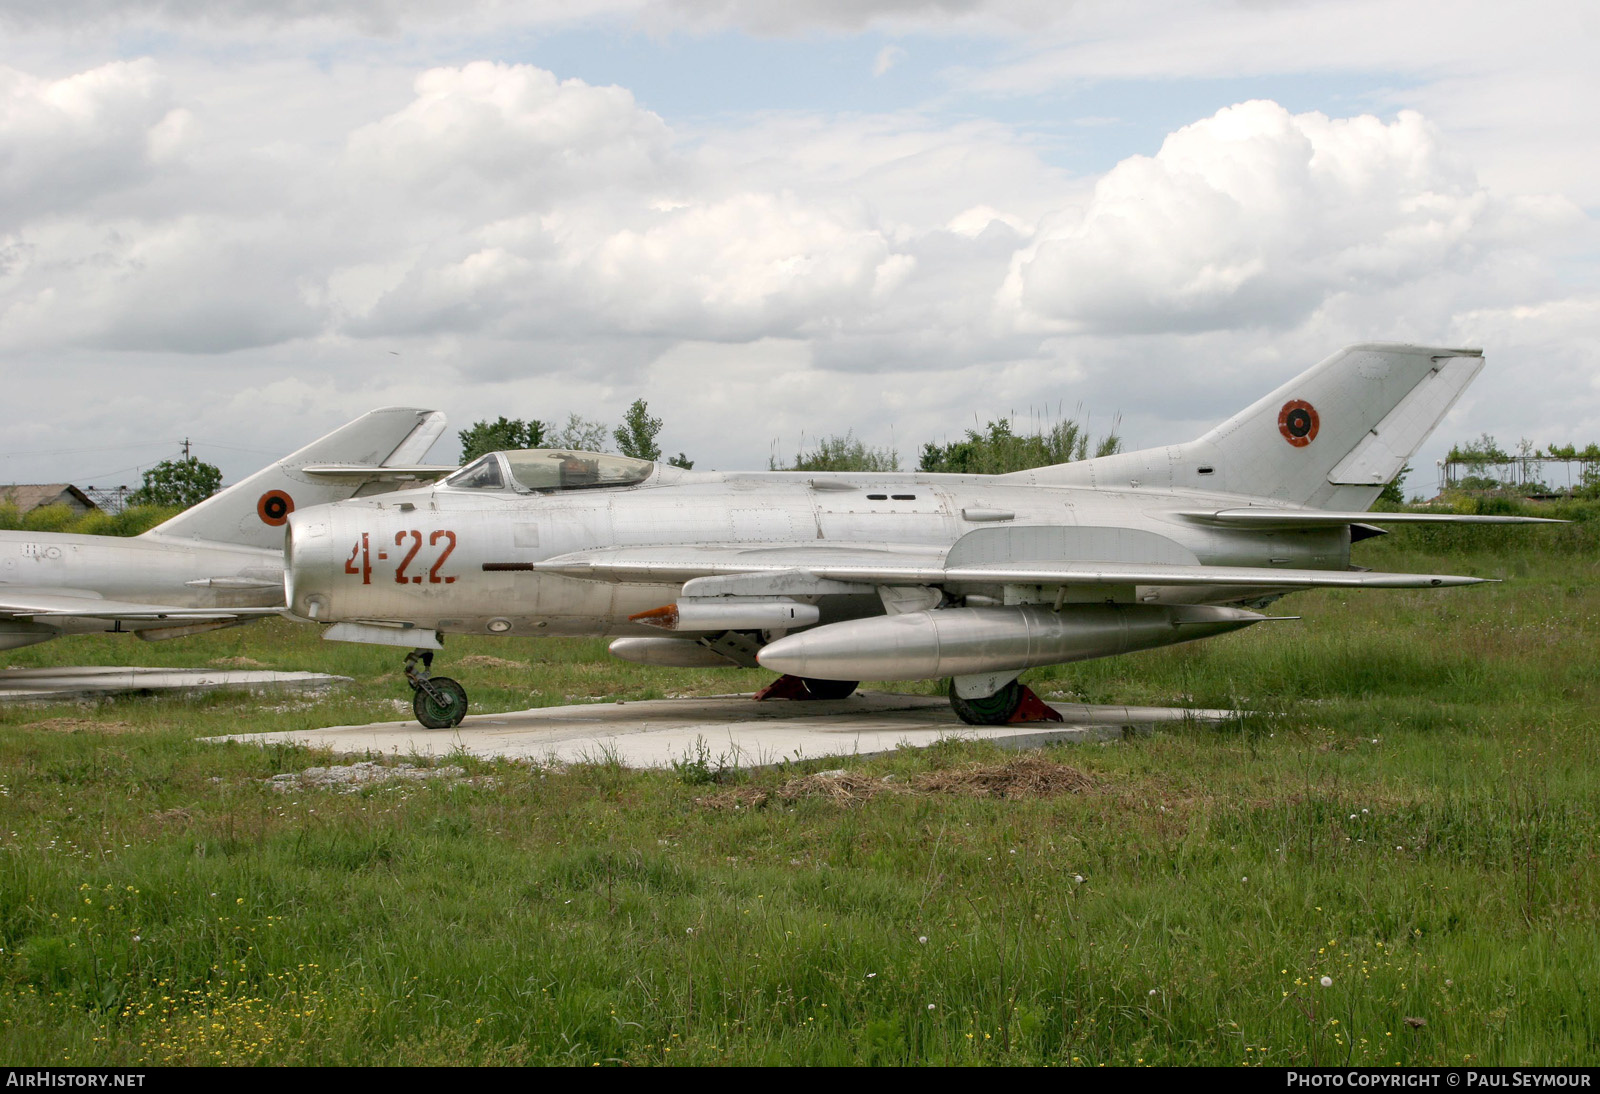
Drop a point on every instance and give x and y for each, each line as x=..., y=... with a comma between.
x=834, y=578
x=215, y=565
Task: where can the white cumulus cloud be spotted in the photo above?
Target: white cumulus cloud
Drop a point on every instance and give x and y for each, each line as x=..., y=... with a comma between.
x=65, y=142
x=1256, y=216
x=492, y=238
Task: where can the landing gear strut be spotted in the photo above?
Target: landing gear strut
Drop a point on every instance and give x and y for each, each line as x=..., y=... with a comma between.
x=438, y=701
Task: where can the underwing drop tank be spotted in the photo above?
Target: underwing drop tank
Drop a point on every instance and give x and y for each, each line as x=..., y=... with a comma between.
x=677, y=653
x=929, y=645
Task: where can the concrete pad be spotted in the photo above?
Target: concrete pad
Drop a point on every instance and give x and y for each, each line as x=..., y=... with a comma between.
x=97, y=681
x=727, y=729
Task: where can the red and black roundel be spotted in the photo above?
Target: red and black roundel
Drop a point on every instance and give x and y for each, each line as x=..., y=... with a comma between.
x=274, y=507
x=1297, y=421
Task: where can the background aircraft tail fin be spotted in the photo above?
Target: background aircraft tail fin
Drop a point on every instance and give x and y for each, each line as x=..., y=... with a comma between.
x=1330, y=438
x=252, y=512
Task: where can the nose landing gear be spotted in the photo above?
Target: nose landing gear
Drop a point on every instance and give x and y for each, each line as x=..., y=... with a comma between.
x=438, y=701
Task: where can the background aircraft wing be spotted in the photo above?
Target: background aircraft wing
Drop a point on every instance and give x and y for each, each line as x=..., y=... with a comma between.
x=913, y=566
x=35, y=604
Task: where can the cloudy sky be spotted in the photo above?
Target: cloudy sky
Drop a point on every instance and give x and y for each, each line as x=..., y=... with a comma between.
x=247, y=223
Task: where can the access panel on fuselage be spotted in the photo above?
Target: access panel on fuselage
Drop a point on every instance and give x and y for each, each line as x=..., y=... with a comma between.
x=904, y=514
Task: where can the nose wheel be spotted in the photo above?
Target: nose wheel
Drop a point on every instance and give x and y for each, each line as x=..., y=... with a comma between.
x=438, y=701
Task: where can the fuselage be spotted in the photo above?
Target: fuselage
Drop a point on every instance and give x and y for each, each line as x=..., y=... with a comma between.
x=460, y=560
x=179, y=573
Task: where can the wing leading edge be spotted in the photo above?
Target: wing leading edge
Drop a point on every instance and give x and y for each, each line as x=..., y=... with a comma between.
x=913, y=567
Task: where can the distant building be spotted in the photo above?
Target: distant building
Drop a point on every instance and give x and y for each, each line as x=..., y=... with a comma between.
x=28, y=497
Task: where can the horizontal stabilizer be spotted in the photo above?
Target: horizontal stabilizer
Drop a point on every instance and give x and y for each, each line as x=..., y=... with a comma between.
x=356, y=472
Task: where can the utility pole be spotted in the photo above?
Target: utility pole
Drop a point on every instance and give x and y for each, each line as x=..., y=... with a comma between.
x=186, y=448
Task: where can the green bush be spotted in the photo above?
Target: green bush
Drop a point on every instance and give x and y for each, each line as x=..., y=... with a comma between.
x=49, y=518
x=132, y=521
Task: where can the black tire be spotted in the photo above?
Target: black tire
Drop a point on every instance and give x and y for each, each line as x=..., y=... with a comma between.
x=990, y=710
x=829, y=689
x=435, y=714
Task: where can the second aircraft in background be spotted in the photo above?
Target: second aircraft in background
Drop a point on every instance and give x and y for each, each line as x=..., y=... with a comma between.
x=217, y=564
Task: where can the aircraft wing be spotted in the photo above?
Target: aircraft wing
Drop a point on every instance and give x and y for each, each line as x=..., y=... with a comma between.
x=918, y=566
x=43, y=605
x=1265, y=517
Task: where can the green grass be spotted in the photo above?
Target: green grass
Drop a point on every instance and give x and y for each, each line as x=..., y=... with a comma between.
x=1413, y=813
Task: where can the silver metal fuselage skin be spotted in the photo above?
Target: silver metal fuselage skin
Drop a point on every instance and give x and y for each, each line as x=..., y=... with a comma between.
x=221, y=556
x=458, y=561
x=171, y=571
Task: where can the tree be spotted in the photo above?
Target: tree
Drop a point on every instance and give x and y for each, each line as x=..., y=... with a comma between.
x=680, y=460
x=581, y=434
x=846, y=453
x=182, y=483
x=636, y=436
x=1481, y=451
x=999, y=449
x=504, y=435
x=1395, y=493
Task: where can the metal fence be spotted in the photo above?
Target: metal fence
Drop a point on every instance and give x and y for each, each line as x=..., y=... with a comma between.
x=1522, y=474
x=113, y=499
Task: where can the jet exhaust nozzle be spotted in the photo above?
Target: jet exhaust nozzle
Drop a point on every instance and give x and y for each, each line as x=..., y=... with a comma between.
x=929, y=645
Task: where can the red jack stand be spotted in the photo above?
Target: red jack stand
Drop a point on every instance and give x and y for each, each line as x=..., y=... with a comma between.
x=1033, y=709
x=784, y=687
x=800, y=687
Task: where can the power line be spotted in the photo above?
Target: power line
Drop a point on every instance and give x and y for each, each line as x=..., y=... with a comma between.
x=75, y=451
x=138, y=444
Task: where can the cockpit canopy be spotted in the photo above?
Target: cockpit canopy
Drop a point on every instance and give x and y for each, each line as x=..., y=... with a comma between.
x=544, y=469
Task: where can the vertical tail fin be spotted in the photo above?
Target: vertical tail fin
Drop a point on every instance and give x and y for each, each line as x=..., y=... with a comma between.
x=252, y=512
x=1329, y=438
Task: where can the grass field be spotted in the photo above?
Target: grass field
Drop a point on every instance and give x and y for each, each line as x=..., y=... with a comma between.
x=1414, y=815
